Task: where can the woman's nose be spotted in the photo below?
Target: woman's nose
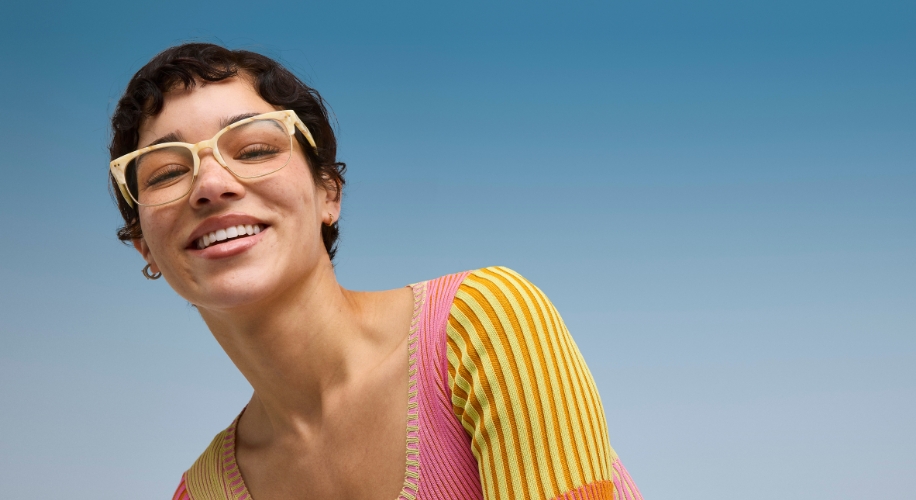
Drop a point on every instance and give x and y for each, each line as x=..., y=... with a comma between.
x=214, y=184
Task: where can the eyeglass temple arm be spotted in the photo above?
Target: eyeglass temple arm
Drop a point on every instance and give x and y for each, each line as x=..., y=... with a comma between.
x=305, y=131
x=125, y=195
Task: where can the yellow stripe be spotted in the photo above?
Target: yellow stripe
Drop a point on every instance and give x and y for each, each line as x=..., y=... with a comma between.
x=521, y=389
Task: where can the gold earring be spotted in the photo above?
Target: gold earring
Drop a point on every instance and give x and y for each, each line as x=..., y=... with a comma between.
x=149, y=276
x=330, y=219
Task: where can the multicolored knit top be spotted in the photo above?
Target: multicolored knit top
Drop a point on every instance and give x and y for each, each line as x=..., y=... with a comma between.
x=501, y=404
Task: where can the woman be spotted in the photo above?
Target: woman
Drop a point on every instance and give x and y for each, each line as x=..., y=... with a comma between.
x=467, y=386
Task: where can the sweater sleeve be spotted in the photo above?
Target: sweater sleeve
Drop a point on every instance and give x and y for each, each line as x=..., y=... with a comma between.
x=181, y=493
x=521, y=389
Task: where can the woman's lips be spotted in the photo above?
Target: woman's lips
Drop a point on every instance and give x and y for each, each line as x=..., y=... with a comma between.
x=219, y=236
x=223, y=224
x=230, y=247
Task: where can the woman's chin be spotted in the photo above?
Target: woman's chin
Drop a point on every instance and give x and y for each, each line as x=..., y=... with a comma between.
x=232, y=290
x=245, y=281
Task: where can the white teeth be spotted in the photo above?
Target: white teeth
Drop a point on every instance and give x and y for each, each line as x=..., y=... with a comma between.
x=228, y=233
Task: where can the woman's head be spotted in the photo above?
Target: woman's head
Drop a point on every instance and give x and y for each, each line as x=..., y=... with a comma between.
x=187, y=66
x=189, y=94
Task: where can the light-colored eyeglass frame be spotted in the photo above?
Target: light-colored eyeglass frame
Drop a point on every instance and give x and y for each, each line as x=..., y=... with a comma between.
x=288, y=118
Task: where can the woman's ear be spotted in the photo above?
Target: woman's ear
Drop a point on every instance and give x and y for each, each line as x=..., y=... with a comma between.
x=332, y=198
x=141, y=246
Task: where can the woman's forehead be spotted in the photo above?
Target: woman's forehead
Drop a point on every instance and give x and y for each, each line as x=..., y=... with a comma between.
x=198, y=112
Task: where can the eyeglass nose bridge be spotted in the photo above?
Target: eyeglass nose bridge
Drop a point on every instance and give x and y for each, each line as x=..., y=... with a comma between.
x=210, y=144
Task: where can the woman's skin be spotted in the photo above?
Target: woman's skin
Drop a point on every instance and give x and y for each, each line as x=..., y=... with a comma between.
x=328, y=365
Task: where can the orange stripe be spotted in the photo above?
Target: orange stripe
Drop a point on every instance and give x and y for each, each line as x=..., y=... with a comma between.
x=598, y=490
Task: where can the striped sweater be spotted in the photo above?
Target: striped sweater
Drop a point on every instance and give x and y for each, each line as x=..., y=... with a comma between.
x=501, y=404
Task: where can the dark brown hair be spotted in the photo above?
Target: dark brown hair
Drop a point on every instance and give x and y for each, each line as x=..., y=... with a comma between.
x=189, y=64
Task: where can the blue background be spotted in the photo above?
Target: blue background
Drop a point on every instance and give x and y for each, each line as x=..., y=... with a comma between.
x=718, y=196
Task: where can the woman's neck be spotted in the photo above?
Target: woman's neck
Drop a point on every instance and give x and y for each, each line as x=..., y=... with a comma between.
x=297, y=348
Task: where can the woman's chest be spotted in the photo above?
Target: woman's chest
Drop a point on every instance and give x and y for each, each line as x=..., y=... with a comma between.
x=370, y=468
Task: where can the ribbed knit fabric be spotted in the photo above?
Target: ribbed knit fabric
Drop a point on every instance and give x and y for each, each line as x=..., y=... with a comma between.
x=522, y=391
x=501, y=404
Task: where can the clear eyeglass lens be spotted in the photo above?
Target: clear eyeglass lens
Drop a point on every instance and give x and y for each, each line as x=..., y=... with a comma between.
x=251, y=150
x=161, y=175
x=255, y=149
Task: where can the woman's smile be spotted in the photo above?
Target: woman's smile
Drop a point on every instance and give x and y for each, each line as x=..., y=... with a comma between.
x=230, y=233
x=225, y=236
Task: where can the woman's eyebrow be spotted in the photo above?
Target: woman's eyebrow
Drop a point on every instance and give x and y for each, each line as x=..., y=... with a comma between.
x=170, y=137
x=225, y=122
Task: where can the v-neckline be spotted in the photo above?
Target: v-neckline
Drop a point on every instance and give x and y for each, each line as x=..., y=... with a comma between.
x=232, y=475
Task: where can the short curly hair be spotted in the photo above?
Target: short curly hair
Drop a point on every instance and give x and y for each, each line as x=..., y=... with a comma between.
x=187, y=65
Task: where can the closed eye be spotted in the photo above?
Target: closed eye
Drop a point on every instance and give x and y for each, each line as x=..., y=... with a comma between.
x=256, y=152
x=165, y=174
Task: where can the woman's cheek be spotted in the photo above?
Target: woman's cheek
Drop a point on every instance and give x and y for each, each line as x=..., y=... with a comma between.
x=158, y=228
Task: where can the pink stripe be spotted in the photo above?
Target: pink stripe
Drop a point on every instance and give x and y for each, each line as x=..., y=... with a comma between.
x=631, y=483
x=628, y=485
x=181, y=493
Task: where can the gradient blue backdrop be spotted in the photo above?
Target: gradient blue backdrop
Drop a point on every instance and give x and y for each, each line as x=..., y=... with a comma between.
x=718, y=196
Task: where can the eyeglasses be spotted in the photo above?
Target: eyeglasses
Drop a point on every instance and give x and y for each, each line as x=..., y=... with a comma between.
x=249, y=148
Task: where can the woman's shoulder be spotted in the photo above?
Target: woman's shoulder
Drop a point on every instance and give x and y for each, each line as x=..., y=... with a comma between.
x=499, y=280
x=499, y=320
x=480, y=273
x=501, y=295
x=494, y=288
x=521, y=390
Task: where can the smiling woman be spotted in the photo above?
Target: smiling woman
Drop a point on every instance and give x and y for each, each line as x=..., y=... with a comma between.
x=465, y=386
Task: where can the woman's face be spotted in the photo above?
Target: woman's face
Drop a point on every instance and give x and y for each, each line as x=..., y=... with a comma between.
x=286, y=205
